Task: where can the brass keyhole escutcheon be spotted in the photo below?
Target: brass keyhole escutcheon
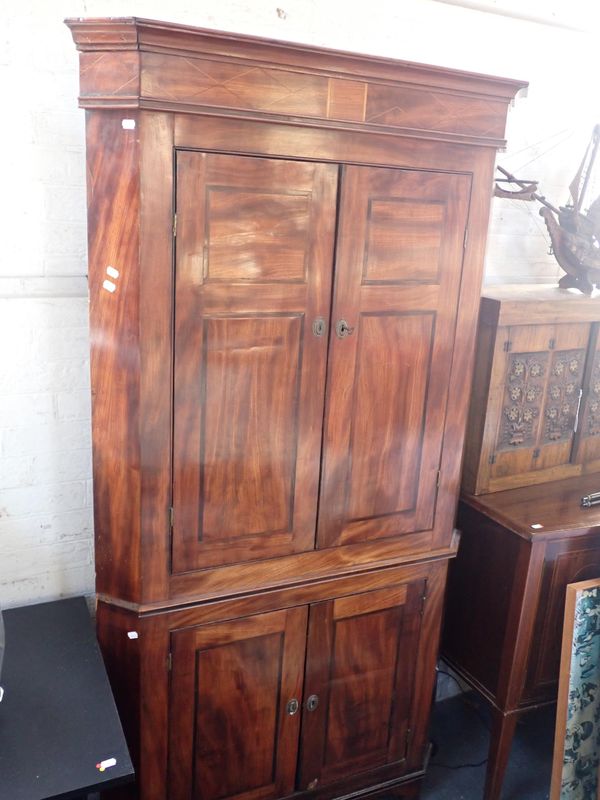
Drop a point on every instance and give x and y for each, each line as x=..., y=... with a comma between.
x=342, y=329
x=312, y=702
x=292, y=706
x=319, y=326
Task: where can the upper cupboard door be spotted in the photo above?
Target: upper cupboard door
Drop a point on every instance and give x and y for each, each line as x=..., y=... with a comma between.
x=254, y=254
x=398, y=271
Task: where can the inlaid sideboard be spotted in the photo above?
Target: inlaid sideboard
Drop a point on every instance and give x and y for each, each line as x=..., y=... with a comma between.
x=506, y=597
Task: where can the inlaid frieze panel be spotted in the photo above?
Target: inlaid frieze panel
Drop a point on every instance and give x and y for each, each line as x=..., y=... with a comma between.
x=399, y=106
x=109, y=74
x=233, y=85
x=346, y=99
x=247, y=87
x=523, y=400
x=562, y=396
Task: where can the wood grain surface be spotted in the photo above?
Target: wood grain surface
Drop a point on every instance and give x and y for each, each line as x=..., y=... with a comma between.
x=254, y=256
x=398, y=268
x=280, y=372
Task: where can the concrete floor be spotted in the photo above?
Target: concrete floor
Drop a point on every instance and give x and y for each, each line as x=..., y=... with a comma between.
x=460, y=730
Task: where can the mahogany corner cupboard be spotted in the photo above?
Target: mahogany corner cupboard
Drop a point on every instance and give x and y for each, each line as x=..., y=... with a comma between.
x=285, y=258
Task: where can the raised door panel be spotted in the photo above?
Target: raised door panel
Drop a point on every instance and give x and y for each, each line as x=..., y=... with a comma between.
x=398, y=269
x=566, y=561
x=254, y=252
x=360, y=671
x=538, y=397
x=231, y=735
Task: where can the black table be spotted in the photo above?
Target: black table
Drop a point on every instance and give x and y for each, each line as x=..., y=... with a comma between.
x=58, y=719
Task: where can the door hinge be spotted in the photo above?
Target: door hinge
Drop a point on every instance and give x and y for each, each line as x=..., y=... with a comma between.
x=423, y=601
x=536, y=452
x=408, y=739
x=492, y=458
x=465, y=238
x=438, y=478
x=171, y=517
x=169, y=662
x=174, y=225
x=551, y=344
x=507, y=346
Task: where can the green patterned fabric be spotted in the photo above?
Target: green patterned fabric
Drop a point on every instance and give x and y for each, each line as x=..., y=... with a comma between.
x=582, y=740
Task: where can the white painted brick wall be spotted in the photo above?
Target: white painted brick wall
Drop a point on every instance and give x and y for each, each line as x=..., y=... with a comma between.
x=45, y=459
x=45, y=472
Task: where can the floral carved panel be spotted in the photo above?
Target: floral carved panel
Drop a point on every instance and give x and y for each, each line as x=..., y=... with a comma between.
x=562, y=396
x=523, y=399
x=591, y=417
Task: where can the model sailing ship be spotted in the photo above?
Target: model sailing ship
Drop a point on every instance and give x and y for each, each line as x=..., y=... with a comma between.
x=574, y=231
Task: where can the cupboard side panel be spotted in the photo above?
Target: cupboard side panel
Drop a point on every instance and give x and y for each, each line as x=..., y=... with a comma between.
x=426, y=655
x=121, y=657
x=156, y=308
x=461, y=371
x=113, y=182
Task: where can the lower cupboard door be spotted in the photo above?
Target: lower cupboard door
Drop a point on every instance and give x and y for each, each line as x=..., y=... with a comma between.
x=234, y=726
x=360, y=671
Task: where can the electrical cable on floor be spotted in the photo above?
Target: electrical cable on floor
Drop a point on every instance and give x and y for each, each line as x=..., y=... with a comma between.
x=458, y=766
x=479, y=716
x=462, y=688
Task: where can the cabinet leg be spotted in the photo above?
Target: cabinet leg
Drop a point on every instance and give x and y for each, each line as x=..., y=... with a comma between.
x=503, y=730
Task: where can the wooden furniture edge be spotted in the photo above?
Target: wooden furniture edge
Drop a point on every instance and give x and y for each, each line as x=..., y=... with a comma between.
x=477, y=503
x=185, y=602
x=137, y=33
x=510, y=308
x=563, y=692
x=474, y=477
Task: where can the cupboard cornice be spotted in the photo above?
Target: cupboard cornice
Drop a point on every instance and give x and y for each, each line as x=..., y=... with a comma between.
x=137, y=63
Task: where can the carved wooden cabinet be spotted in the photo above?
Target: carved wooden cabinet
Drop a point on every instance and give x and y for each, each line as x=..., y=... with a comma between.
x=282, y=299
x=535, y=406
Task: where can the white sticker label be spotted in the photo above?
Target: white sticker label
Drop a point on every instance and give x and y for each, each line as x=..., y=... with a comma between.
x=536, y=526
x=132, y=634
x=112, y=272
x=107, y=764
x=109, y=286
x=128, y=124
